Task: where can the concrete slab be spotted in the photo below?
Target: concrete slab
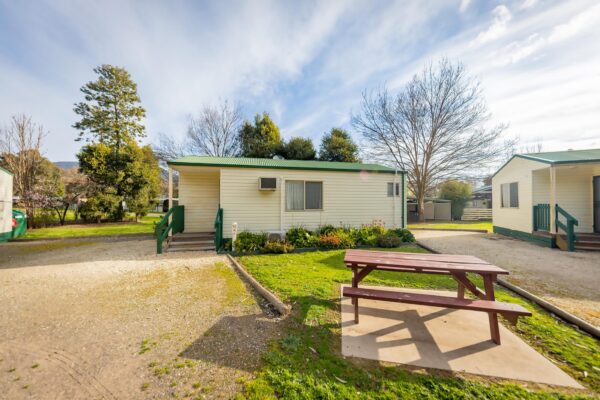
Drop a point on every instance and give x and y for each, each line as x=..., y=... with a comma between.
x=453, y=340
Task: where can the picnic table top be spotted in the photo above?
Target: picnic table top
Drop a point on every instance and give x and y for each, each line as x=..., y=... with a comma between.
x=422, y=262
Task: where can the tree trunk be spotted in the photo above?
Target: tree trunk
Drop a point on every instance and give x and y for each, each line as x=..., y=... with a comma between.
x=421, y=206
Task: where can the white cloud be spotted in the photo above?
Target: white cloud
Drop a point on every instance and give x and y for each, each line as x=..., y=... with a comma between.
x=464, y=4
x=528, y=4
x=502, y=16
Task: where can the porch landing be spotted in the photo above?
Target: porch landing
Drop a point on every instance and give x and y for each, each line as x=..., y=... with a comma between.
x=583, y=241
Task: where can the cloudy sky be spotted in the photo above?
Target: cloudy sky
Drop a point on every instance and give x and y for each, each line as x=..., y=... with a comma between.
x=305, y=62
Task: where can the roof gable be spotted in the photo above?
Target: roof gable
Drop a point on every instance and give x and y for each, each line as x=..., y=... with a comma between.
x=558, y=157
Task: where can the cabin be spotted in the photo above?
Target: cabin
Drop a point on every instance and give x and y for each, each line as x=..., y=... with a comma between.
x=219, y=196
x=6, y=201
x=550, y=198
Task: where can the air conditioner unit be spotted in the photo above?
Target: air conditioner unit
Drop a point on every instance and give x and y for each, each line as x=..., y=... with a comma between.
x=267, y=183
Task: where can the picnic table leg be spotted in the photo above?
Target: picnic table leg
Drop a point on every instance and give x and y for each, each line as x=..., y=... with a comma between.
x=355, y=299
x=488, y=281
x=461, y=291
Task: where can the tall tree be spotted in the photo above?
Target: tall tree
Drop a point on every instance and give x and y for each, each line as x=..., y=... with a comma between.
x=434, y=128
x=20, y=144
x=261, y=139
x=213, y=132
x=111, y=120
x=338, y=146
x=299, y=148
x=111, y=113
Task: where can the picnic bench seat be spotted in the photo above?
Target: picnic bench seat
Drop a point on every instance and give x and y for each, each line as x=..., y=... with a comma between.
x=459, y=267
x=508, y=310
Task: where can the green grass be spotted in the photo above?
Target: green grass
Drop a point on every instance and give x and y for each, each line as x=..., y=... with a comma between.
x=306, y=362
x=146, y=225
x=485, y=225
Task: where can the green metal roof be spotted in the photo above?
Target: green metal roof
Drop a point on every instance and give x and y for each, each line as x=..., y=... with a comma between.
x=564, y=157
x=7, y=171
x=240, y=162
x=559, y=157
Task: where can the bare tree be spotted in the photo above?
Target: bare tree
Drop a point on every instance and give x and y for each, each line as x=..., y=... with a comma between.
x=434, y=128
x=213, y=132
x=76, y=186
x=20, y=144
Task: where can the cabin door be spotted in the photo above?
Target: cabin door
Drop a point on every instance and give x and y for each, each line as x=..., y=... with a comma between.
x=596, y=183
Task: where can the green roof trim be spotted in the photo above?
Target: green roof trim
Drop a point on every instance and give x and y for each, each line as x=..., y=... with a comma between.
x=7, y=171
x=559, y=157
x=240, y=162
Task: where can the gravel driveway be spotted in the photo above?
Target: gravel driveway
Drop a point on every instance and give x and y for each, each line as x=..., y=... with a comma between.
x=568, y=280
x=104, y=320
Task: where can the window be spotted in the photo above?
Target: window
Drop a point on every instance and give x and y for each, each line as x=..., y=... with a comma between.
x=509, y=195
x=390, y=189
x=303, y=195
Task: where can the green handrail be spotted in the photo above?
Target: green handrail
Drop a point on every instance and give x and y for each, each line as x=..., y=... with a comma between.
x=568, y=228
x=541, y=217
x=163, y=228
x=219, y=229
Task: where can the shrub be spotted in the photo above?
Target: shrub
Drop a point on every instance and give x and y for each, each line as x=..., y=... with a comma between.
x=364, y=236
x=388, y=241
x=248, y=242
x=301, y=238
x=278, y=247
x=330, y=241
x=404, y=234
x=325, y=229
x=338, y=239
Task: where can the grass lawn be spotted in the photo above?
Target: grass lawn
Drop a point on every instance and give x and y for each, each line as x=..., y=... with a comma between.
x=307, y=361
x=485, y=225
x=146, y=225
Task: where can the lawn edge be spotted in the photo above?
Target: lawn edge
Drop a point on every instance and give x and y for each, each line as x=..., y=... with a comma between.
x=279, y=305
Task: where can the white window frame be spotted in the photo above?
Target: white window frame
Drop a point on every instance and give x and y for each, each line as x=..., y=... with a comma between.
x=505, y=198
x=304, y=209
x=397, y=185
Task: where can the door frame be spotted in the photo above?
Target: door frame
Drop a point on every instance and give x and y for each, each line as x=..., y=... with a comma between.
x=595, y=200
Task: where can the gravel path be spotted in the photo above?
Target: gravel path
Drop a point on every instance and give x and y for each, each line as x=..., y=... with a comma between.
x=84, y=319
x=568, y=280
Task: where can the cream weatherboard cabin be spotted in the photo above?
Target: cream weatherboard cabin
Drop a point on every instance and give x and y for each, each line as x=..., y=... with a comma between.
x=220, y=195
x=6, y=196
x=552, y=198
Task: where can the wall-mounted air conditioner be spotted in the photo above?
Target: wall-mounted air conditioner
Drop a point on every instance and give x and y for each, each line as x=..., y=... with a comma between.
x=267, y=183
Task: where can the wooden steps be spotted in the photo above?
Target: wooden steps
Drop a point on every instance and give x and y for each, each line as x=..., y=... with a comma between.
x=584, y=241
x=476, y=214
x=192, y=241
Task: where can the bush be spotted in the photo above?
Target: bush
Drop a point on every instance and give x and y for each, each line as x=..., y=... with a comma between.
x=248, y=242
x=301, y=238
x=338, y=239
x=388, y=241
x=278, y=247
x=404, y=234
x=325, y=229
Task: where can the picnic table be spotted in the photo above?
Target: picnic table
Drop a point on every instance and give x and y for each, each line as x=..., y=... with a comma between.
x=363, y=262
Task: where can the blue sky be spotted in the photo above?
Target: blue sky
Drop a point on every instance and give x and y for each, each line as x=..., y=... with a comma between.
x=304, y=62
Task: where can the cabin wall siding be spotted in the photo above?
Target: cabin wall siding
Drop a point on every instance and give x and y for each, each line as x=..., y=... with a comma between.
x=349, y=198
x=6, y=194
x=199, y=194
x=519, y=219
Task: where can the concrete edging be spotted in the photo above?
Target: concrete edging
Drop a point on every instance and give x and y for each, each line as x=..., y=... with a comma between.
x=279, y=305
x=450, y=230
x=568, y=317
x=131, y=236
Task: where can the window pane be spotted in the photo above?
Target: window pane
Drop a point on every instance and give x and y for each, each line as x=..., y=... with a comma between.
x=397, y=189
x=514, y=194
x=314, y=195
x=390, y=187
x=294, y=195
x=504, y=191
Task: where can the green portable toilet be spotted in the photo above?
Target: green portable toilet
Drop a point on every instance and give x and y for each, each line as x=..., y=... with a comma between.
x=19, y=223
x=6, y=194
